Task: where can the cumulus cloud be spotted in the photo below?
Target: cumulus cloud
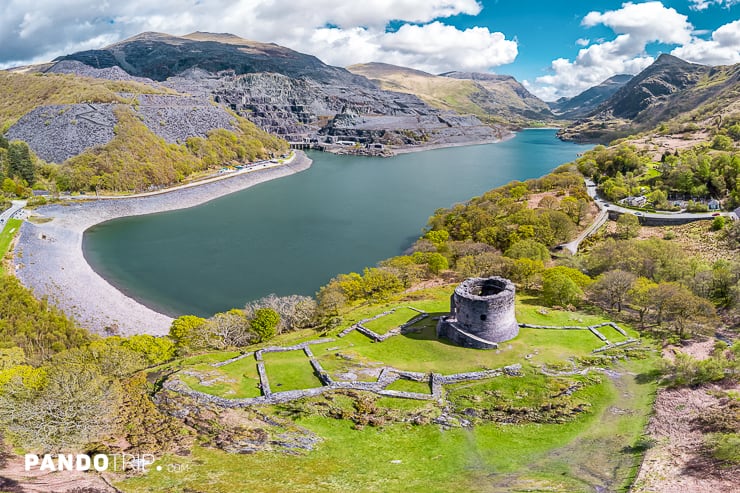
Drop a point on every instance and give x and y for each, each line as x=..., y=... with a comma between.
x=705, y=4
x=583, y=41
x=337, y=31
x=636, y=25
x=722, y=49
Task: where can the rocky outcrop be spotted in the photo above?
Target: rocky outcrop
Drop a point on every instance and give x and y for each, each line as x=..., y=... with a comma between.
x=669, y=90
x=304, y=110
x=286, y=93
x=176, y=118
x=58, y=132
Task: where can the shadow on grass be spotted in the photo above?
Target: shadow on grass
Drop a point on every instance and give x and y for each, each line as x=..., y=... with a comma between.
x=648, y=377
x=532, y=299
x=429, y=330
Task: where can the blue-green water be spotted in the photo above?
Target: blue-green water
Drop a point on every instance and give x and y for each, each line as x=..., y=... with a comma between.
x=293, y=234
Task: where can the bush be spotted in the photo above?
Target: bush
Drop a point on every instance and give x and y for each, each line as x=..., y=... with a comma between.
x=264, y=324
x=722, y=143
x=718, y=223
x=528, y=249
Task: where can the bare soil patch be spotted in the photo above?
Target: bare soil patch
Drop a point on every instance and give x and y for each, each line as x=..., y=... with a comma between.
x=678, y=463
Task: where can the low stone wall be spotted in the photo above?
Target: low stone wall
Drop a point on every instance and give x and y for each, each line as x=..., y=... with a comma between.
x=386, y=377
x=401, y=329
x=231, y=360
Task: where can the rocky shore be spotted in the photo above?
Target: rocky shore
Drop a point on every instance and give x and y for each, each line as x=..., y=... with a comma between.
x=49, y=257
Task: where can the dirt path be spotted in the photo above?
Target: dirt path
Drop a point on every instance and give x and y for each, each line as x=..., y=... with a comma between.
x=677, y=463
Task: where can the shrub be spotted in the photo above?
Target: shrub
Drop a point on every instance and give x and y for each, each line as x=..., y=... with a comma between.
x=264, y=324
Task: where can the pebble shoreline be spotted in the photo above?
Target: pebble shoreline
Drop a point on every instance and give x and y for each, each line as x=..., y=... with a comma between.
x=49, y=259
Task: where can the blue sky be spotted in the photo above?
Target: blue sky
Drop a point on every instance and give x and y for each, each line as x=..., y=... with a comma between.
x=555, y=48
x=547, y=30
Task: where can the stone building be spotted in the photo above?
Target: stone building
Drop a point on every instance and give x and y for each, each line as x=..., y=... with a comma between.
x=481, y=313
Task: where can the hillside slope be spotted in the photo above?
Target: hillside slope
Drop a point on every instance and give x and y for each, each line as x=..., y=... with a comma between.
x=669, y=91
x=492, y=98
x=124, y=134
x=583, y=104
x=285, y=92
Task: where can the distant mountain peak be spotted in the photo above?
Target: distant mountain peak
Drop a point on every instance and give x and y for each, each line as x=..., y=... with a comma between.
x=667, y=59
x=587, y=101
x=670, y=88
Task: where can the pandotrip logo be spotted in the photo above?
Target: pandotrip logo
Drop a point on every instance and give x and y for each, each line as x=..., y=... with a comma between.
x=84, y=462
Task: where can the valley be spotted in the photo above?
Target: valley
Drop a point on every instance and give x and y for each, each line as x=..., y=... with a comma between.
x=190, y=280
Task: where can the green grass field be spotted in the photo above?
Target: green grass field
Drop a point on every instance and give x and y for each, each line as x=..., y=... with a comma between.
x=290, y=370
x=6, y=237
x=391, y=321
x=567, y=433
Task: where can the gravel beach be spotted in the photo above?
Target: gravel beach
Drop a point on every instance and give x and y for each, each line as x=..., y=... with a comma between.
x=49, y=259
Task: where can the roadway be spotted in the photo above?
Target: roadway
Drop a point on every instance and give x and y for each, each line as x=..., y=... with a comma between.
x=17, y=206
x=605, y=207
x=679, y=217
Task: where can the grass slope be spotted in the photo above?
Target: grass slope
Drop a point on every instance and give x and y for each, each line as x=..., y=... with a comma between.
x=595, y=442
x=6, y=238
x=20, y=93
x=491, y=101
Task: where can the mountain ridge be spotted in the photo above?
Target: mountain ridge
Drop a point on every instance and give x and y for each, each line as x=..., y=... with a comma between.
x=491, y=97
x=670, y=90
x=586, y=102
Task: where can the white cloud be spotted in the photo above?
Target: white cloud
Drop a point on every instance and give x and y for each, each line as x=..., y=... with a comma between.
x=722, y=49
x=337, y=31
x=636, y=25
x=583, y=41
x=705, y=4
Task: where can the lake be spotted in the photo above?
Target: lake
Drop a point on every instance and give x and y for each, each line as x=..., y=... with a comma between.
x=291, y=235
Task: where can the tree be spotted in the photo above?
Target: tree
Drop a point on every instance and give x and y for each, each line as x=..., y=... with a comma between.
x=528, y=249
x=295, y=311
x=155, y=350
x=437, y=237
x=549, y=202
x=71, y=409
x=640, y=297
x=576, y=209
x=9, y=186
x=435, y=262
x=525, y=271
x=686, y=312
x=184, y=329
x=20, y=163
x=264, y=324
x=228, y=329
x=628, y=226
x=612, y=288
x=331, y=299
x=563, y=286
x=405, y=268
x=379, y=284
x=731, y=234
x=560, y=290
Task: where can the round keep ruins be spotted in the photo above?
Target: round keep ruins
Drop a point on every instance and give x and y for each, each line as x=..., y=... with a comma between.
x=481, y=313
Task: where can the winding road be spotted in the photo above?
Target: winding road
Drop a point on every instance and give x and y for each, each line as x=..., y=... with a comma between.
x=605, y=207
x=17, y=206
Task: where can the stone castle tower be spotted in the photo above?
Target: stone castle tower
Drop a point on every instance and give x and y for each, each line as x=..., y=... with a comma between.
x=481, y=313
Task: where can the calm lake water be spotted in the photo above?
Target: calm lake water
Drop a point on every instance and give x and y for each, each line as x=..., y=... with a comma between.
x=293, y=234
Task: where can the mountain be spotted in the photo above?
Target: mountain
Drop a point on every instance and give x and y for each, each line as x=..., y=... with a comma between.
x=586, y=102
x=287, y=93
x=668, y=92
x=158, y=56
x=490, y=97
